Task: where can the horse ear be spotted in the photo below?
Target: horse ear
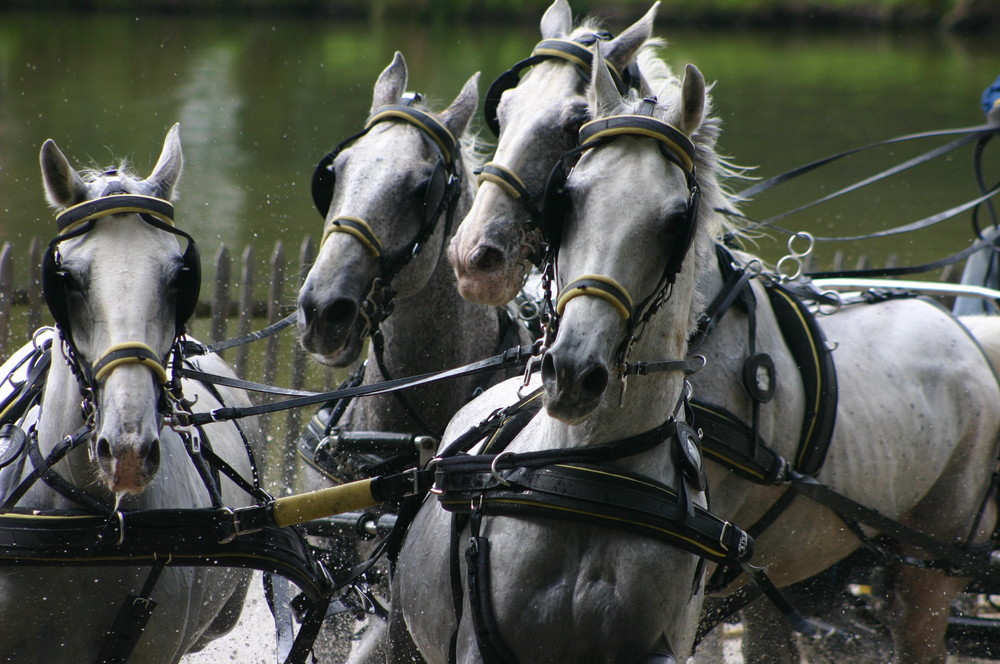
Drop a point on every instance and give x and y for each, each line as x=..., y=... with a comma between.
x=391, y=83
x=693, y=98
x=557, y=20
x=168, y=167
x=621, y=50
x=63, y=185
x=456, y=117
x=605, y=99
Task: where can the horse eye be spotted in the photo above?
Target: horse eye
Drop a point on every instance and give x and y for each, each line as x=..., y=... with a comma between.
x=576, y=114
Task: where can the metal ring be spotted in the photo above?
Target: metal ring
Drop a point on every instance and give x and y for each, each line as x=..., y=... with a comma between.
x=786, y=260
x=809, y=247
x=834, y=308
x=121, y=527
x=704, y=361
x=493, y=468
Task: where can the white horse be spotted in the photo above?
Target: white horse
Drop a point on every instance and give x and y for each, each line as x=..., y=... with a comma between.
x=122, y=290
x=532, y=122
x=918, y=410
x=396, y=193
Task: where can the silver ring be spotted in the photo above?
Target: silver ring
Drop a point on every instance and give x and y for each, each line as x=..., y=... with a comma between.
x=493, y=468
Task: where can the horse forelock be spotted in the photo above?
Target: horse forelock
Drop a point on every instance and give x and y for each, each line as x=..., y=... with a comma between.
x=97, y=180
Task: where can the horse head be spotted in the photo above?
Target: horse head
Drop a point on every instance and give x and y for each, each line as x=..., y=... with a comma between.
x=120, y=290
x=386, y=195
x=536, y=118
x=622, y=259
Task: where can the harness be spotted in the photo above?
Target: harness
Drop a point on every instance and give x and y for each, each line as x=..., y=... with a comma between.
x=98, y=534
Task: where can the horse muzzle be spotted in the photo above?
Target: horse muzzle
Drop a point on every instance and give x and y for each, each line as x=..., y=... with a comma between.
x=575, y=383
x=330, y=326
x=127, y=463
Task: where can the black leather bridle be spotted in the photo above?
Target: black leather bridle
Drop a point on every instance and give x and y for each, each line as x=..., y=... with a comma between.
x=80, y=219
x=443, y=189
x=678, y=149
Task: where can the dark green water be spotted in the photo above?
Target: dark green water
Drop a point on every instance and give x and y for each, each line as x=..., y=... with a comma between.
x=260, y=100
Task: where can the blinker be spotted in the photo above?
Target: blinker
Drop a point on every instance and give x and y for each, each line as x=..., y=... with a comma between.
x=12, y=439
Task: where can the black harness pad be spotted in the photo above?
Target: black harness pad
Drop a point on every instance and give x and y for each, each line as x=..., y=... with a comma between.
x=808, y=346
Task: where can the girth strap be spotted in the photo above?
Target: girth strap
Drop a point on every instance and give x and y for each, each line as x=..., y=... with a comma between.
x=130, y=622
x=492, y=647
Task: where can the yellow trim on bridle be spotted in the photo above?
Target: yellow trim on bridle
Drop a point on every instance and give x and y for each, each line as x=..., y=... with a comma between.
x=148, y=362
x=336, y=227
x=124, y=209
x=681, y=153
x=563, y=55
x=625, y=313
x=485, y=176
x=401, y=115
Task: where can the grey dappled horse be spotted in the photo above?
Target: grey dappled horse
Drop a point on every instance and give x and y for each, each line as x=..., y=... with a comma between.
x=917, y=418
x=386, y=196
x=120, y=298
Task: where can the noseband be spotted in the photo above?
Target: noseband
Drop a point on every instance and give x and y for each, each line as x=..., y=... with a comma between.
x=442, y=191
x=80, y=219
x=580, y=54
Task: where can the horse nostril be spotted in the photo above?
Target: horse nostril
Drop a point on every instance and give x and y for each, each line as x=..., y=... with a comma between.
x=595, y=381
x=103, y=448
x=486, y=259
x=308, y=309
x=153, y=456
x=549, y=377
x=340, y=313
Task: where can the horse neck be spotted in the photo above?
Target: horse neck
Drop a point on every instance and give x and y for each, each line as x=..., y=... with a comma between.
x=432, y=330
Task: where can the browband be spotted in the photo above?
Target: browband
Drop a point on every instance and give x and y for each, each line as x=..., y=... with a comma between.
x=81, y=213
x=425, y=121
x=641, y=125
x=576, y=53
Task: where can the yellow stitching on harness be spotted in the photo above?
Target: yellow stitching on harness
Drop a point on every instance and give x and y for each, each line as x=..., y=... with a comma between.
x=413, y=120
x=150, y=363
x=124, y=209
x=366, y=240
x=562, y=55
x=498, y=180
x=564, y=298
x=638, y=131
